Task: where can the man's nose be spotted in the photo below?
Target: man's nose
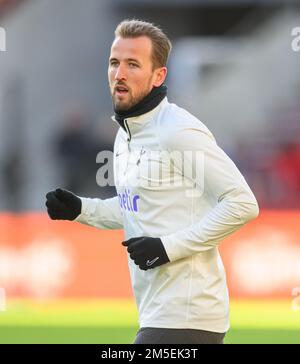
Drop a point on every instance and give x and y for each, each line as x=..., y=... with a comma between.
x=120, y=73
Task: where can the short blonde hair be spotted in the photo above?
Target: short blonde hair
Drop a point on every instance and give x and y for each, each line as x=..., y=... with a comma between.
x=161, y=45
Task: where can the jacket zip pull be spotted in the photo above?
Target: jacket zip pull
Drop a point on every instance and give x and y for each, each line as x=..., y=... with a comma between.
x=128, y=144
x=128, y=131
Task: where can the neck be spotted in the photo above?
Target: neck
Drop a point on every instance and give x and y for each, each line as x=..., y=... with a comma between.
x=147, y=104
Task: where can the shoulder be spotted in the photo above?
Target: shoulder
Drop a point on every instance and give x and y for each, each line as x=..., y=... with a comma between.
x=176, y=125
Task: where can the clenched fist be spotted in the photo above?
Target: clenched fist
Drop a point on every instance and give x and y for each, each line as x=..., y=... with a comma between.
x=146, y=252
x=63, y=205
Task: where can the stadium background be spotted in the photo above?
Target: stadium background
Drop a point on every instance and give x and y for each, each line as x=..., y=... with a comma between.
x=233, y=66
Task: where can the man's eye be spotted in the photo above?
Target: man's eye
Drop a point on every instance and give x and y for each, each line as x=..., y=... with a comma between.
x=113, y=63
x=133, y=65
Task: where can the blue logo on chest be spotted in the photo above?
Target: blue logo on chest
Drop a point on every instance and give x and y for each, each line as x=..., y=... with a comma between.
x=128, y=202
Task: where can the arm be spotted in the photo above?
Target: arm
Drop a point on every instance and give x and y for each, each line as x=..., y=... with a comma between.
x=103, y=214
x=233, y=202
x=65, y=205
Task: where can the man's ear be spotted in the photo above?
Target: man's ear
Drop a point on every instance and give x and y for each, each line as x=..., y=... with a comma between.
x=160, y=76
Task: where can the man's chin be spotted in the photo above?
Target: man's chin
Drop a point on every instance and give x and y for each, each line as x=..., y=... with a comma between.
x=122, y=106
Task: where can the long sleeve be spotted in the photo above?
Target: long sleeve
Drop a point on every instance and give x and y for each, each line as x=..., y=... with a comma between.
x=233, y=203
x=103, y=214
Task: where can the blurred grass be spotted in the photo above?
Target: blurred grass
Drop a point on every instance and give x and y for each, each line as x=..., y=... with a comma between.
x=111, y=321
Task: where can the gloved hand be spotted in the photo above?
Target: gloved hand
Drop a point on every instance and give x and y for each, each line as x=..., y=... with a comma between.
x=63, y=205
x=146, y=252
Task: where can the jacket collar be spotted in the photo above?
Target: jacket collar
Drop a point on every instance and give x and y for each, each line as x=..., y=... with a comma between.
x=133, y=125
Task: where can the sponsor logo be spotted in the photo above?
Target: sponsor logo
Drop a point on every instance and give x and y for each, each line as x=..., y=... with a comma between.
x=128, y=202
x=42, y=268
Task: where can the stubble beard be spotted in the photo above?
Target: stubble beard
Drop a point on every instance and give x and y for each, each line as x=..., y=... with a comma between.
x=122, y=106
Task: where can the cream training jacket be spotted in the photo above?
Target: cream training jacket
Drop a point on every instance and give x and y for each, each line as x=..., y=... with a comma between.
x=174, y=182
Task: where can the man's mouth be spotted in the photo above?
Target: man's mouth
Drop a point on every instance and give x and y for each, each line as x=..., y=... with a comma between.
x=121, y=90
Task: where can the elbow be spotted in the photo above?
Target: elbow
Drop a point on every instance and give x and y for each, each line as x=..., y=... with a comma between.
x=249, y=208
x=254, y=211
x=250, y=211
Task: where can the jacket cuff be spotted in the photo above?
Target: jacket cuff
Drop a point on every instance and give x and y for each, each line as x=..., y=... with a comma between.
x=169, y=244
x=88, y=208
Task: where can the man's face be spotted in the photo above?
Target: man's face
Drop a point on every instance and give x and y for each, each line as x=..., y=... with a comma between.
x=130, y=72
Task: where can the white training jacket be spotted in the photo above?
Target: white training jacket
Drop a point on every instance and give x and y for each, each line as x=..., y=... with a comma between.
x=192, y=207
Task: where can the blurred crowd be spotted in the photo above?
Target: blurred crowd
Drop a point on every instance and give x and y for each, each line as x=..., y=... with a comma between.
x=271, y=163
x=75, y=148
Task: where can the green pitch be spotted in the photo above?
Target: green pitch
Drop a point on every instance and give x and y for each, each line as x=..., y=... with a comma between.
x=99, y=321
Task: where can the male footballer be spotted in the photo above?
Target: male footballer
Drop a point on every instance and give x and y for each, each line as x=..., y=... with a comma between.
x=178, y=196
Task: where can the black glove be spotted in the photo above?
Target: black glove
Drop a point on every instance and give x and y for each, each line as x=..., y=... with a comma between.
x=63, y=205
x=146, y=252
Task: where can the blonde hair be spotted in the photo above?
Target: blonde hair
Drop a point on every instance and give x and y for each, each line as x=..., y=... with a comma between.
x=161, y=45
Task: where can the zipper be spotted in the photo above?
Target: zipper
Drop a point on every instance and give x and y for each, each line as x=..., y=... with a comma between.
x=128, y=144
x=128, y=130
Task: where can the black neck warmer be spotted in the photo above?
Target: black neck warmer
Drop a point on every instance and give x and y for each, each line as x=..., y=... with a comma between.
x=148, y=103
